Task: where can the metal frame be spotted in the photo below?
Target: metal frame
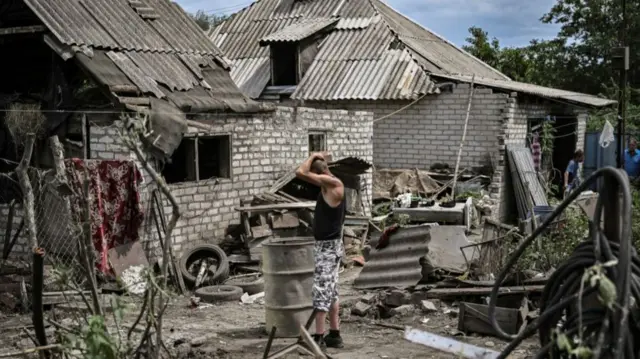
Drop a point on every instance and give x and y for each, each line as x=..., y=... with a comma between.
x=303, y=343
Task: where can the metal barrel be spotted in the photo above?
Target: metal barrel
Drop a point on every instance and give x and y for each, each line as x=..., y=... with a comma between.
x=287, y=267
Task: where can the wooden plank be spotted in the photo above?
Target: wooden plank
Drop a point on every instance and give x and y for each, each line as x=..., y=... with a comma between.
x=279, y=206
x=261, y=231
x=22, y=30
x=438, y=293
x=284, y=220
x=474, y=318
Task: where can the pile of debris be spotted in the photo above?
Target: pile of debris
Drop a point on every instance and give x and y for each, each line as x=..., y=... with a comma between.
x=426, y=197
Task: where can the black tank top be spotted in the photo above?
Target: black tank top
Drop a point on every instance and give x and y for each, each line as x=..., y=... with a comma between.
x=327, y=220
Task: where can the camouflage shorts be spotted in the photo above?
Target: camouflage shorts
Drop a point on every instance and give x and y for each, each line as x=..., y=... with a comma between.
x=328, y=255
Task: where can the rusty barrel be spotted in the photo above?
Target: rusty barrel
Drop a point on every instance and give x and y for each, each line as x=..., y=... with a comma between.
x=287, y=267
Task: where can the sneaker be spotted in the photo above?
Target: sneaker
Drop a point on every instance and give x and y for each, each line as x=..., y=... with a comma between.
x=333, y=340
x=320, y=341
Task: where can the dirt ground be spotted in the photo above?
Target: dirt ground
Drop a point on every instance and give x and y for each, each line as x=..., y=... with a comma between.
x=235, y=330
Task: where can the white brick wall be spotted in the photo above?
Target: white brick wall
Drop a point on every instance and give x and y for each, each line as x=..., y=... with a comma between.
x=263, y=148
x=430, y=131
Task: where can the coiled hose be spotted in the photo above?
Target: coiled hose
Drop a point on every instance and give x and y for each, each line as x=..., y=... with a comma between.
x=585, y=305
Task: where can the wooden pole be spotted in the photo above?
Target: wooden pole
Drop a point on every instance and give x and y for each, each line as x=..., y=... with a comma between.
x=464, y=136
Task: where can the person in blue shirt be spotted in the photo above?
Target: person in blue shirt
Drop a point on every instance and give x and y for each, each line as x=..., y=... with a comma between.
x=572, y=174
x=632, y=160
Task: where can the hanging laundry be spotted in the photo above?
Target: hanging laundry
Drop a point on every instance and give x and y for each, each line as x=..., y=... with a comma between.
x=114, y=202
x=607, y=136
x=536, y=152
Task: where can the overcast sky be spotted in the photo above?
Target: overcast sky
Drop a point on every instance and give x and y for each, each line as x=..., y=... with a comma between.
x=513, y=22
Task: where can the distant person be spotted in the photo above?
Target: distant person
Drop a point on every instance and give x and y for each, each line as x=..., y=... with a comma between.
x=632, y=160
x=572, y=174
x=328, y=220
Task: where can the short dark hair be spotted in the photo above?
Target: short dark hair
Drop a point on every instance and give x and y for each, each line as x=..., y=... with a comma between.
x=578, y=154
x=319, y=166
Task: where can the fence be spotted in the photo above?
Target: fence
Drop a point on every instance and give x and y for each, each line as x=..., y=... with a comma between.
x=596, y=157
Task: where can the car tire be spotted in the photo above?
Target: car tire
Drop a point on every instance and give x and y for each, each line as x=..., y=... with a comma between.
x=248, y=286
x=219, y=293
x=205, y=251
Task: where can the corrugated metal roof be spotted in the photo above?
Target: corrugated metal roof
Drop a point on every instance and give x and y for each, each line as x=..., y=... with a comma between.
x=299, y=31
x=152, y=44
x=432, y=48
x=358, y=46
x=536, y=90
x=115, y=25
x=398, y=264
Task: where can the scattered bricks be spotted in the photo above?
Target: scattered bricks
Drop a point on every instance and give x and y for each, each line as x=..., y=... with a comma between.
x=428, y=306
x=361, y=309
x=403, y=310
x=369, y=298
x=396, y=298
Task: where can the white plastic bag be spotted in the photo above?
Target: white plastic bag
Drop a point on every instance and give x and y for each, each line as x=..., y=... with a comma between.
x=606, y=137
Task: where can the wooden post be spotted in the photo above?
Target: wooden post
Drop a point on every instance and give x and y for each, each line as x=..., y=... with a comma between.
x=464, y=136
x=28, y=201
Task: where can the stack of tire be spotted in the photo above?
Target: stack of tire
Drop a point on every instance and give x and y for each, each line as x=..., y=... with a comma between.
x=217, y=287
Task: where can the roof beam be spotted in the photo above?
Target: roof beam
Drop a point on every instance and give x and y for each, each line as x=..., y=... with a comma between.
x=22, y=30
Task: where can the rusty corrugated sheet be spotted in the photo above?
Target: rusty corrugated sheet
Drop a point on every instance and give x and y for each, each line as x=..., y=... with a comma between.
x=398, y=264
x=541, y=91
x=299, y=31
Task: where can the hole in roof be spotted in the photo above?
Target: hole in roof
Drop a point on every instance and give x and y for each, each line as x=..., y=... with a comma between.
x=143, y=9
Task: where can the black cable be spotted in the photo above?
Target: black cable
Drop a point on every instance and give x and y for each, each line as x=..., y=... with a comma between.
x=573, y=308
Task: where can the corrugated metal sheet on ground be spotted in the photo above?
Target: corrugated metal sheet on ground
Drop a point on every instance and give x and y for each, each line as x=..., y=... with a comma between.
x=398, y=264
x=541, y=91
x=299, y=31
x=115, y=25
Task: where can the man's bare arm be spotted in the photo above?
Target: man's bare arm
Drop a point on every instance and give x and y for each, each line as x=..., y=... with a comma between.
x=322, y=180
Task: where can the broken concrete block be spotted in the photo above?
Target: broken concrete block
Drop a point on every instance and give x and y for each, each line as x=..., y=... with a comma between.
x=428, y=306
x=361, y=309
x=369, y=298
x=397, y=298
x=403, y=310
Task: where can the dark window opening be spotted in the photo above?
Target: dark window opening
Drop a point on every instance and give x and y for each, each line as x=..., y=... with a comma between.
x=284, y=63
x=210, y=158
x=317, y=142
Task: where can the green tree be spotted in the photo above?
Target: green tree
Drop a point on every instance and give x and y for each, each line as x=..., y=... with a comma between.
x=512, y=61
x=208, y=21
x=589, y=30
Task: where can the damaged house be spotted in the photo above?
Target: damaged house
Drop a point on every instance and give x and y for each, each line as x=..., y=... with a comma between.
x=364, y=55
x=86, y=62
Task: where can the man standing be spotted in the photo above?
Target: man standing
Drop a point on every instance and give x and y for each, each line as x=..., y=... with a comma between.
x=327, y=229
x=572, y=173
x=632, y=160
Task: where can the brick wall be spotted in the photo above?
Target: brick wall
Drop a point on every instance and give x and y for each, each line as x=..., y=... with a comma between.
x=263, y=148
x=430, y=130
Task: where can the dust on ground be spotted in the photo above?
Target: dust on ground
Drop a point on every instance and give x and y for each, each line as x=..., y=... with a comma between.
x=235, y=330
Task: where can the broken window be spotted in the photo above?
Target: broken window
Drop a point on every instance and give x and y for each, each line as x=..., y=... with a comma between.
x=284, y=64
x=317, y=142
x=199, y=158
